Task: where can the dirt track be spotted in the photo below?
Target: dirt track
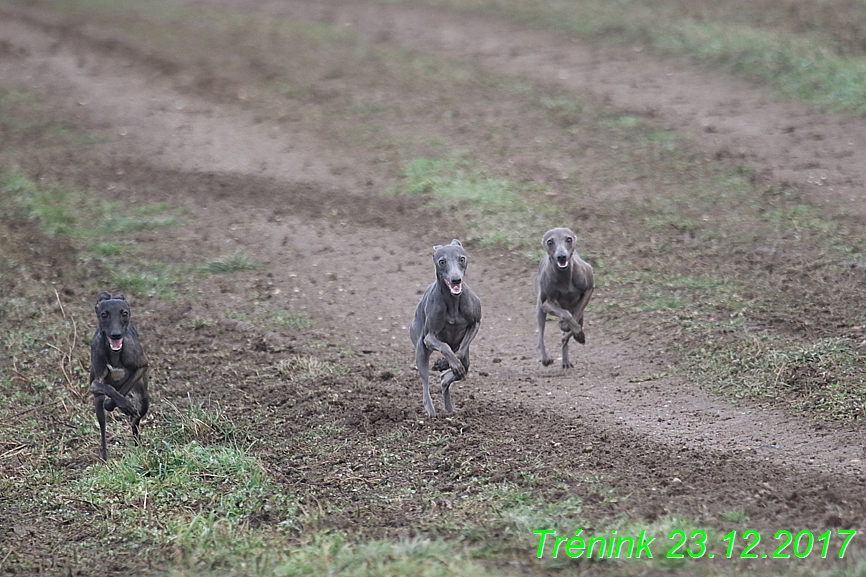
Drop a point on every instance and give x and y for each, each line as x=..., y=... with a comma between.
x=305, y=204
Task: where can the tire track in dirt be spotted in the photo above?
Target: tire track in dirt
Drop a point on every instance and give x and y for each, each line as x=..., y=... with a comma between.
x=822, y=153
x=610, y=386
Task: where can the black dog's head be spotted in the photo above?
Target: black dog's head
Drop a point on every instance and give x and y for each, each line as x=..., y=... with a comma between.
x=559, y=244
x=113, y=316
x=451, y=265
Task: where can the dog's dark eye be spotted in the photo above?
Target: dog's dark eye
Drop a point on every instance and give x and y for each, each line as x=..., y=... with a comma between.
x=442, y=261
x=103, y=314
x=125, y=314
x=569, y=240
x=550, y=242
x=462, y=259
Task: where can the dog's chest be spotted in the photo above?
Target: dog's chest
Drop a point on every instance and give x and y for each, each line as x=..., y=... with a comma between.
x=567, y=296
x=454, y=329
x=115, y=374
x=456, y=319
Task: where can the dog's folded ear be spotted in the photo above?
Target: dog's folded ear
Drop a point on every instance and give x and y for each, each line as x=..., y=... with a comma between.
x=457, y=242
x=436, y=248
x=119, y=297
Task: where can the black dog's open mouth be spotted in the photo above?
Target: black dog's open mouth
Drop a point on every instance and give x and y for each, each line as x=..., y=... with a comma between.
x=115, y=344
x=456, y=288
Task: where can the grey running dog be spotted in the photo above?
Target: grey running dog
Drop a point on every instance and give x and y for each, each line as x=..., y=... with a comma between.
x=118, y=366
x=446, y=320
x=563, y=285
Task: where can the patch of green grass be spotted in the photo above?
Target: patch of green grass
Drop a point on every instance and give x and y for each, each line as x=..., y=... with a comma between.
x=238, y=316
x=301, y=368
x=567, y=109
x=282, y=318
x=816, y=59
x=735, y=516
x=234, y=262
x=799, y=66
x=157, y=280
x=200, y=424
x=325, y=554
x=190, y=485
x=27, y=127
x=123, y=225
x=189, y=476
x=824, y=378
x=79, y=214
x=449, y=181
x=108, y=248
x=495, y=210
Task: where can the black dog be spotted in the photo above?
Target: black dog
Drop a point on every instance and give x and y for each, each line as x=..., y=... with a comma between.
x=446, y=320
x=118, y=365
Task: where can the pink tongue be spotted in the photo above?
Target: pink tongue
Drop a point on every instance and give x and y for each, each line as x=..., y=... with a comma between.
x=116, y=344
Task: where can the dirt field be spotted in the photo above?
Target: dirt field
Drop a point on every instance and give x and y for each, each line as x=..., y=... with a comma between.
x=310, y=184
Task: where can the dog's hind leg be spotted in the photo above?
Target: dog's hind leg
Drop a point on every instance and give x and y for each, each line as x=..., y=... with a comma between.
x=567, y=333
x=542, y=319
x=566, y=364
x=448, y=378
x=445, y=382
x=134, y=421
x=98, y=402
x=440, y=365
x=422, y=363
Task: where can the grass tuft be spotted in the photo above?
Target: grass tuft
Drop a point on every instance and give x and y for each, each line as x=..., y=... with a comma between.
x=155, y=280
x=301, y=368
x=238, y=261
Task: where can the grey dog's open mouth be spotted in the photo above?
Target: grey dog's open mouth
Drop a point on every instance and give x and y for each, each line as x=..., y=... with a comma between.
x=115, y=344
x=456, y=288
x=562, y=263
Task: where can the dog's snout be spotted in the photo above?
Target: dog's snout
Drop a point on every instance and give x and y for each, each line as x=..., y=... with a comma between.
x=456, y=279
x=116, y=335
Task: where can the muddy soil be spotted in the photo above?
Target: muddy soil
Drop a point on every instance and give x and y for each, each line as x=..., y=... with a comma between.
x=356, y=262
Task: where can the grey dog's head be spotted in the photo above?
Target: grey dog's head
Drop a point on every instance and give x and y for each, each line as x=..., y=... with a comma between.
x=559, y=244
x=113, y=316
x=450, y=265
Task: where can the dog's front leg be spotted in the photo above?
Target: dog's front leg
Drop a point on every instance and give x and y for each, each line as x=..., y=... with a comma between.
x=577, y=314
x=549, y=308
x=463, y=350
x=432, y=342
x=132, y=380
x=121, y=402
x=422, y=363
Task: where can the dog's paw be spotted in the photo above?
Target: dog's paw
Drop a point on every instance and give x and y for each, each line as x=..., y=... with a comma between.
x=547, y=362
x=459, y=371
x=567, y=366
x=440, y=365
x=580, y=337
x=129, y=411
